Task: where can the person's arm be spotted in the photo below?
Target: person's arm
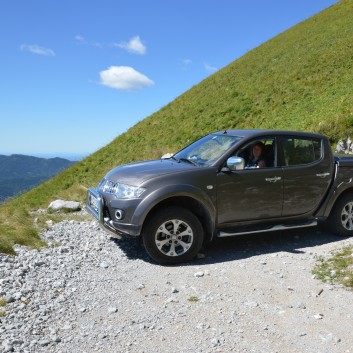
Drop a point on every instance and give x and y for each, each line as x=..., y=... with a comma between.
x=261, y=164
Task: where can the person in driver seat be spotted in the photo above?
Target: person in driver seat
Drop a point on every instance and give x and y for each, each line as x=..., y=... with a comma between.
x=257, y=159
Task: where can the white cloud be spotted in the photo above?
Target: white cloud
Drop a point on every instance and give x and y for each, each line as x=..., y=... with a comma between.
x=187, y=62
x=124, y=78
x=209, y=67
x=36, y=49
x=80, y=39
x=133, y=46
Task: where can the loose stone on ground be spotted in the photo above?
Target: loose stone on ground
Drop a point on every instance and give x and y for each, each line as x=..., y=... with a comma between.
x=92, y=293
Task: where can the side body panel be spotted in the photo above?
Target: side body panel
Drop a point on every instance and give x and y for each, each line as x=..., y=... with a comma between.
x=303, y=189
x=249, y=195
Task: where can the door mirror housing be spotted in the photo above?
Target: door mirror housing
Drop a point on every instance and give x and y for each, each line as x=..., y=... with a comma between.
x=235, y=163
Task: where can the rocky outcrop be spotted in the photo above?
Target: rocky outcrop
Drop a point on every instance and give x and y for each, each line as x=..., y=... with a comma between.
x=58, y=205
x=345, y=147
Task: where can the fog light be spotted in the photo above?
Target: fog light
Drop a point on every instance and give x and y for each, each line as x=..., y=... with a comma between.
x=119, y=214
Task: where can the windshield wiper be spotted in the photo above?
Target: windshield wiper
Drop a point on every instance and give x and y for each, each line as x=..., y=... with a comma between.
x=176, y=159
x=187, y=160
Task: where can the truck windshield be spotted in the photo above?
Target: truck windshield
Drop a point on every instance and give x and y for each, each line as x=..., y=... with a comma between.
x=207, y=150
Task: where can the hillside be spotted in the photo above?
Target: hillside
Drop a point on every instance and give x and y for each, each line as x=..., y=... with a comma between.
x=19, y=173
x=301, y=79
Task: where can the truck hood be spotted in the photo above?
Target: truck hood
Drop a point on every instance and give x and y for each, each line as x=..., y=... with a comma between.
x=139, y=172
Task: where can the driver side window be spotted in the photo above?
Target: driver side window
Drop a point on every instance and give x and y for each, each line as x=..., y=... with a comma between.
x=259, y=153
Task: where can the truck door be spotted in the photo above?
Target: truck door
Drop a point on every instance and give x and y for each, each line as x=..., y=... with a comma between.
x=307, y=174
x=252, y=193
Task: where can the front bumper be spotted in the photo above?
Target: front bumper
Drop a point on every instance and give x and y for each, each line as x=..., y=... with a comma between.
x=96, y=206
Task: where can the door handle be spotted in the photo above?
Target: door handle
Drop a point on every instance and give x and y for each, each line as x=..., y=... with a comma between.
x=274, y=179
x=322, y=175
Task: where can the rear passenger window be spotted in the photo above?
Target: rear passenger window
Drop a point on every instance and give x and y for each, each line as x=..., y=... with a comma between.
x=301, y=151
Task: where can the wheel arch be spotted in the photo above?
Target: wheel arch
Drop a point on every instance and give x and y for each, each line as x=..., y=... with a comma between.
x=343, y=194
x=336, y=199
x=192, y=204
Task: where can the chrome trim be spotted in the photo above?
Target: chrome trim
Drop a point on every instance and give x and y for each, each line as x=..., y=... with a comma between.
x=322, y=175
x=274, y=228
x=235, y=163
x=273, y=180
x=119, y=215
x=107, y=223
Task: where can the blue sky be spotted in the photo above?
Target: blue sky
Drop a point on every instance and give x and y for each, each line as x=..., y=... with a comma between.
x=76, y=74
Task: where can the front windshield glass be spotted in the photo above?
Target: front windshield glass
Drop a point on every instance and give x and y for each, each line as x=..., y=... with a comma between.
x=207, y=150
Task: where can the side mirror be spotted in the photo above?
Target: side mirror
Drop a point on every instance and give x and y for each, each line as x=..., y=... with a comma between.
x=235, y=163
x=167, y=156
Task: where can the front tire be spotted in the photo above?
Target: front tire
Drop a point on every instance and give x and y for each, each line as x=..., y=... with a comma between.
x=173, y=235
x=341, y=217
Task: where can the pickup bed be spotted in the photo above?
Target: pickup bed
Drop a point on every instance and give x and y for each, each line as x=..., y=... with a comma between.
x=224, y=184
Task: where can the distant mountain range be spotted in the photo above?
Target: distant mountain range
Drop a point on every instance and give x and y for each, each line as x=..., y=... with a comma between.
x=20, y=173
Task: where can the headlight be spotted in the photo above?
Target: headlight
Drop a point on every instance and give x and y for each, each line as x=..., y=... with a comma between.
x=121, y=191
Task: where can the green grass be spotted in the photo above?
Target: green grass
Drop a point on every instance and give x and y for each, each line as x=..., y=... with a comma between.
x=17, y=227
x=3, y=302
x=193, y=299
x=17, y=224
x=337, y=269
x=301, y=79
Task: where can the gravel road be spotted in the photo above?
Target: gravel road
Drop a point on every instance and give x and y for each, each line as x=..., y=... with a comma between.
x=88, y=292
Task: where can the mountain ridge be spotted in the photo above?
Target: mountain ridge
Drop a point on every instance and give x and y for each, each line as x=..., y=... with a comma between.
x=19, y=173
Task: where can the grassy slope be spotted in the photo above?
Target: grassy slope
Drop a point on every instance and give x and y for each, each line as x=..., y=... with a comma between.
x=302, y=79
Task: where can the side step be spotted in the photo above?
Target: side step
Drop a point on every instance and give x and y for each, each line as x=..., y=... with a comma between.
x=223, y=234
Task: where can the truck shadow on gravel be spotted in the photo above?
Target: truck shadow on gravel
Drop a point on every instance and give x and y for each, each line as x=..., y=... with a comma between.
x=246, y=246
x=242, y=246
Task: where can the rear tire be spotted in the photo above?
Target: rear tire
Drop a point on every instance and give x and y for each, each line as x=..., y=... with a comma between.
x=173, y=235
x=341, y=217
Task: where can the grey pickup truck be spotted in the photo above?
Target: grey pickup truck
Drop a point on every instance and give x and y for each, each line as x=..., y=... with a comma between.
x=224, y=184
